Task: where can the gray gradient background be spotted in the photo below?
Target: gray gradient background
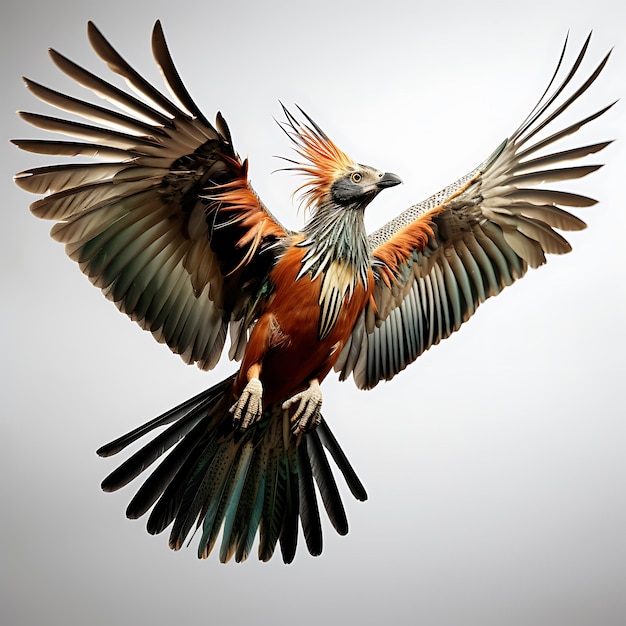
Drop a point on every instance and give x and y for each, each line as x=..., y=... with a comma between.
x=495, y=465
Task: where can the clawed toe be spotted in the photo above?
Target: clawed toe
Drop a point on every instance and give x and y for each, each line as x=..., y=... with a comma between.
x=308, y=414
x=249, y=407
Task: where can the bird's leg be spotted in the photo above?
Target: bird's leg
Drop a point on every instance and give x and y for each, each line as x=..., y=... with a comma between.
x=307, y=415
x=249, y=407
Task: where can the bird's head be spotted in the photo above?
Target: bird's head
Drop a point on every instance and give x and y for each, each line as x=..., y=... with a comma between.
x=332, y=176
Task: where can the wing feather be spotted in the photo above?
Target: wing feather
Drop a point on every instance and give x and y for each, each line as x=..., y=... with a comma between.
x=118, y=64
x=165, y=223
x=483, y=232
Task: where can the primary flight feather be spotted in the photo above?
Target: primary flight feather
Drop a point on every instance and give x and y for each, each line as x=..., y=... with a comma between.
x=166, y=223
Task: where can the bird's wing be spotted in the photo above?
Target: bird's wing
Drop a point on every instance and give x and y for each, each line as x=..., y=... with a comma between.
x=438, y=260
x=165, y=223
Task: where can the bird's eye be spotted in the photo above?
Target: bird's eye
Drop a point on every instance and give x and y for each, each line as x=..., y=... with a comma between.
x=356, y=177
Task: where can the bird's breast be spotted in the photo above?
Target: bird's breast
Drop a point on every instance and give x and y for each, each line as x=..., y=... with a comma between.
x=312, y=318
x=320, y=301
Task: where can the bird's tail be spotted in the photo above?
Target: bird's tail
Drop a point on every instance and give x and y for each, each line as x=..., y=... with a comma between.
x=215, y=476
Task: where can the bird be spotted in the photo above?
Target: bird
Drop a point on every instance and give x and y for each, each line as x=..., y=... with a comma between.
x=159, y=213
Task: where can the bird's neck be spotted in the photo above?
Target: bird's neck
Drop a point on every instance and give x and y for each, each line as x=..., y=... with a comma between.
x=335, y=235
x=336, y=254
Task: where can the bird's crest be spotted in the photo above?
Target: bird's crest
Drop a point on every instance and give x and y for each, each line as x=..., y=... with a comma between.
x=324, y=160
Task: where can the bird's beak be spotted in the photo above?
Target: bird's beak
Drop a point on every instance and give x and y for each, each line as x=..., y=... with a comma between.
x=388, y=180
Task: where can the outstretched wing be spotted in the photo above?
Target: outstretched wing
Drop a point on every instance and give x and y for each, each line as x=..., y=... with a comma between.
x=438, y=260
x=165, y=223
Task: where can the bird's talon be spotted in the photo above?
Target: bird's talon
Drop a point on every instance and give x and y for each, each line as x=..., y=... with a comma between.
x=249, y=407
x=308, y=414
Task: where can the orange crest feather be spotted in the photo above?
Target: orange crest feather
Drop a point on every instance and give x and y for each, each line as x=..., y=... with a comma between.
x=325, y=161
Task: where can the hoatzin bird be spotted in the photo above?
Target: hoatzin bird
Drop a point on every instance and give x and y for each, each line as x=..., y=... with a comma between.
x=168, y=226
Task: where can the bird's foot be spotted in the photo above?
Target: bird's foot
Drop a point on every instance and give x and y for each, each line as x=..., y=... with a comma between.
x=249, y=407
x=308, y=414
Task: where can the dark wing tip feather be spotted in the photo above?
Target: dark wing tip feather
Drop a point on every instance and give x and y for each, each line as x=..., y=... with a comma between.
x=93, y=33
x=164, y=60
x=222, y=127
x=60, y=60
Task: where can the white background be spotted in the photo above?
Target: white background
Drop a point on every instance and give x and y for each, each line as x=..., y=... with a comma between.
x=495, y=465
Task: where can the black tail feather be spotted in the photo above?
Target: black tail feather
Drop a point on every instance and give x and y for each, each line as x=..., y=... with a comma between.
x=188, y=407
x=170, y=502
x=332, y=445
x=289, y=531
x=326, y=483
x=309, y=511
x=163, y=476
